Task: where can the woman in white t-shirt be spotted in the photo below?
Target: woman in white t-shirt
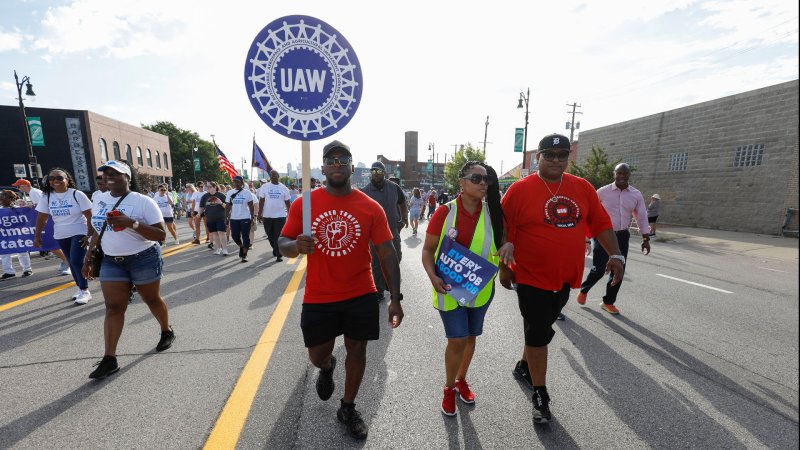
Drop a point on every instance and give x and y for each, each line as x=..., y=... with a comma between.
x=166, y=204
x=70, y=210
x=133, y=227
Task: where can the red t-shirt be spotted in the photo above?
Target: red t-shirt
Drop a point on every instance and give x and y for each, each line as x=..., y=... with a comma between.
x=431, y=200
x=549, y=236
x=340, y=267
x=465, y=223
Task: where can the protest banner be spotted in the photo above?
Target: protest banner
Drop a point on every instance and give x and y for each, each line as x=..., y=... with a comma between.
x=17, y=230
x=465, y=272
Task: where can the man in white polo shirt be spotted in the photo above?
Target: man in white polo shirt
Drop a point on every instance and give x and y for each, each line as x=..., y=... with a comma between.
x=273, y=202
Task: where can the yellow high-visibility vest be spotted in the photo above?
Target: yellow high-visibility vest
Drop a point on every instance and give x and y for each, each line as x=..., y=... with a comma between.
x=482, y=244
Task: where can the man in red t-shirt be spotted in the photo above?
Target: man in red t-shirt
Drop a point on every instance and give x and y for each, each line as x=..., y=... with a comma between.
x=548, y=216
x=340, y=295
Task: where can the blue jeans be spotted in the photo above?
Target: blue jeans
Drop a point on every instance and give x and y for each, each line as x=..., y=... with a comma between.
x=74, y=253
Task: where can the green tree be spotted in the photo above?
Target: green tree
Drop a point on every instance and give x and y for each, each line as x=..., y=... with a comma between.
x=181, y=145
x=465, y=153
x=597, y=169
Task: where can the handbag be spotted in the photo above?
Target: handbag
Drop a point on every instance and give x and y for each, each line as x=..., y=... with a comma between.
x=97, y=253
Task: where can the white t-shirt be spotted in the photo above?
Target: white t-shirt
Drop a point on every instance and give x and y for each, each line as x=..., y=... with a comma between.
x=136, y=206
x=239, y=209
x=67, y=214
x=196, y=197
x=35, y=195
x=164, y=203
x=275, y=197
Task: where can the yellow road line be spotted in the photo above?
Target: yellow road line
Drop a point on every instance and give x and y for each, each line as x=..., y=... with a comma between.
x=22, y=301
x=225, y=434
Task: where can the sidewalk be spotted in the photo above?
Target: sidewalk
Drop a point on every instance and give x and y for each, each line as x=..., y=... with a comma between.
x=751, y=244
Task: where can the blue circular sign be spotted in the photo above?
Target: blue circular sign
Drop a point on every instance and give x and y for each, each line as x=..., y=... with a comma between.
x=303, y=78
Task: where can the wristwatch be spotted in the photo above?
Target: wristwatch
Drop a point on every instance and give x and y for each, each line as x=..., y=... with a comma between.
x=619, y=257
x=135, y=224
x=399, y=297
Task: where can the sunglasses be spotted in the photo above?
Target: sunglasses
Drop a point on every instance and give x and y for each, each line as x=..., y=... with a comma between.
x=552, y=156
x=477, y=178
x=340, y=161
x=55, y=178
x=163, y=190
x=377, y=171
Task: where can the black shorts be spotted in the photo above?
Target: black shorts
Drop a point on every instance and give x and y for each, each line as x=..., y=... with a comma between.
x=540, y=309
x=169, y=219
x=194, y=213
x=357, y=318
x=653, y=219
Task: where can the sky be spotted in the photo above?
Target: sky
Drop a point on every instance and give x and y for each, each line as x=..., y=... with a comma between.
x=438, y=68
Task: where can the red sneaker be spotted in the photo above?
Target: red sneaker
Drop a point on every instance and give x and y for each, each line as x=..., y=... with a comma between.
x=464, y=392
x=581, y=298
x=611, y=309
x=449, y=401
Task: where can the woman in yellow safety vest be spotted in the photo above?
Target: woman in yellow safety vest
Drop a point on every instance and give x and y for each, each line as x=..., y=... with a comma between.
x=475, y=218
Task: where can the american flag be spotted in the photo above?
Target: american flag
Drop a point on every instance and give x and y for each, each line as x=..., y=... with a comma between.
x=224, y=164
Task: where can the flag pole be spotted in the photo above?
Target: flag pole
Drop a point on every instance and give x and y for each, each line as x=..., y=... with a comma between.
x=306, y=151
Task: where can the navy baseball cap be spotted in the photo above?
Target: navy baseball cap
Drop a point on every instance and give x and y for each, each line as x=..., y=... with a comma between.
x=334, y=145
x=238, y=178
x=378, y=165
x=554, y=141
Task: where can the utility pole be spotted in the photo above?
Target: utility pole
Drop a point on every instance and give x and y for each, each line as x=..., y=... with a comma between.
x=571, y=125
x=485, y=134
x=525, y=98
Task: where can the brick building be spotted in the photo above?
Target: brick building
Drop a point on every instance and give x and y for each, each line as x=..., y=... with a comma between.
x=411, y=172
x=729, y=163
x=80, y=141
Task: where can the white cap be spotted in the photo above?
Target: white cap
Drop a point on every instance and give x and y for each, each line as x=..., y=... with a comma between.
x=116, y=165
x=656, y=196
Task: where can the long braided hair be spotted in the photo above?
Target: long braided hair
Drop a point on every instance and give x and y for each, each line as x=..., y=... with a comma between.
x=492, y=198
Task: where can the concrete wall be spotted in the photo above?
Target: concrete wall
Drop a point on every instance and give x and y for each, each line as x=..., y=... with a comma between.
x=712, y=192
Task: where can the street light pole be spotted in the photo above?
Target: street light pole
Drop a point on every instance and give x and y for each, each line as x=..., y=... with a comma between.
x=26, y=80
x=485, y=135
x=526, y=99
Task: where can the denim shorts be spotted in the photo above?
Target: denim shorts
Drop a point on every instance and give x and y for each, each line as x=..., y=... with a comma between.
x=413, y=214
x=142, y=268
x=462, y=321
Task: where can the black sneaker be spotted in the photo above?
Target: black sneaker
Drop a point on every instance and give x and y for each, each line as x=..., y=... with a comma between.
x=521, y=373
x=105, y=367
x=167, y=338
x=561, y=317
x=279, y=258
x=541, y=406
x=325, y=383
x=351, y=418
x=27, y=273
x=7, y=276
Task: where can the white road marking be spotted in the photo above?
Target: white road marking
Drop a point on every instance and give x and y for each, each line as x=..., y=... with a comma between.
x=695, y=284
x=774, y=270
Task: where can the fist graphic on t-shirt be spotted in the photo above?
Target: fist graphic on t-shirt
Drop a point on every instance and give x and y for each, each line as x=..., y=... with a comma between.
x=335, y=232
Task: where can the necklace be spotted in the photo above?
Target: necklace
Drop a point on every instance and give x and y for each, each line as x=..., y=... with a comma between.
x=553, y=195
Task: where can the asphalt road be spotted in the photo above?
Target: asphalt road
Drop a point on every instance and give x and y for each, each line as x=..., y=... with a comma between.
x=706, y=365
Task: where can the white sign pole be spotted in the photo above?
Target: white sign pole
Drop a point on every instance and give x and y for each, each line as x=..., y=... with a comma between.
x=306, y=150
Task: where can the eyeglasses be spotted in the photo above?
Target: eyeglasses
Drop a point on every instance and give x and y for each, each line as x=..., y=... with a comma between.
x=552, y=156
x=55, y=178
x=377, y=171
x=340, y=161
x=477, y=178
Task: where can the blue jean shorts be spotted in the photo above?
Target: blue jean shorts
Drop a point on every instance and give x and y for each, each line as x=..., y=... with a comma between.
x=142, y=268
x=462, y=322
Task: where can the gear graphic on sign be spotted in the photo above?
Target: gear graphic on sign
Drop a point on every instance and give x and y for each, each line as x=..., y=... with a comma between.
x=302, y=78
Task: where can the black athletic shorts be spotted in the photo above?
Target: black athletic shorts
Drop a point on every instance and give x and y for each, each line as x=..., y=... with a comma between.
x=169, y=219
x=653, y=219
x=356, y=318
x=540, y=309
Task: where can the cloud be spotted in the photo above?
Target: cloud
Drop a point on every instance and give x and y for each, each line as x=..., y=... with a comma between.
x=10, y=41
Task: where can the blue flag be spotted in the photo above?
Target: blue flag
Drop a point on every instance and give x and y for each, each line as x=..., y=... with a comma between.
x=259, y=160
x=17, y=229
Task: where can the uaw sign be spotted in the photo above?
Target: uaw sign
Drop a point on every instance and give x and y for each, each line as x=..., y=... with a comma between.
x=303, y=78
x=465, y=272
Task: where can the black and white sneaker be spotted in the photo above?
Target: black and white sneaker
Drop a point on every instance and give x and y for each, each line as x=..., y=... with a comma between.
x=522, y=373
x=105, y=367
x=351, y=418
x=325, y=384
x=167, y=338
x=541, y=406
